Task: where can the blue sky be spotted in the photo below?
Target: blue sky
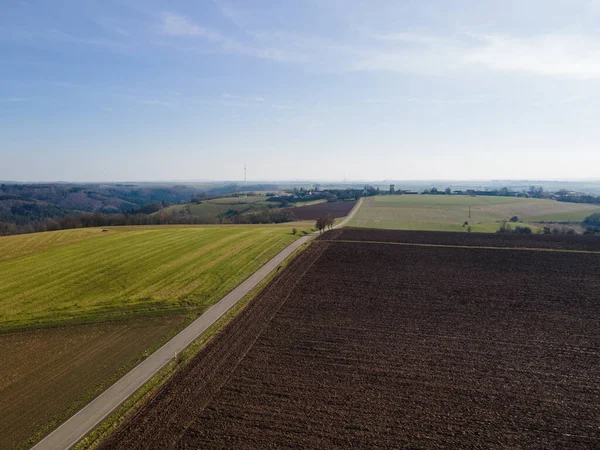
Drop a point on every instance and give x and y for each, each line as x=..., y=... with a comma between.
x=315, y=89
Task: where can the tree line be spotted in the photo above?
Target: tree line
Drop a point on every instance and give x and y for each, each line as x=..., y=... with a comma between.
x=98, y=219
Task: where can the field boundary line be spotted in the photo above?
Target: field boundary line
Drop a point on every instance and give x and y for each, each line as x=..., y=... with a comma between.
x=480, y=247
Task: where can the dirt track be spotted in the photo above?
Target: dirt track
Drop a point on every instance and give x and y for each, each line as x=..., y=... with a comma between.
x=387, y=346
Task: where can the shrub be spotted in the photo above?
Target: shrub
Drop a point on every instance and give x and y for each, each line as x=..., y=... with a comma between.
x=524, y=230
x=593, y=220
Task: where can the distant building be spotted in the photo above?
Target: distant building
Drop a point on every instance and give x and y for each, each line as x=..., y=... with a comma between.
x=392, y=188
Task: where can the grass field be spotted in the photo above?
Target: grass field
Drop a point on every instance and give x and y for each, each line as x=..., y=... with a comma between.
x=48, y=278
x=448, y=213
x=211, y=209
x=567, y=216
x=47, y=373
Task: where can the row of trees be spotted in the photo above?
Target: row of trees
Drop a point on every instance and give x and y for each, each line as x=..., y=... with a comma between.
x=331, y=195
x=162, y=217
x=324, y=223
x=565, y=196
x=506, y=227
x=263, y=216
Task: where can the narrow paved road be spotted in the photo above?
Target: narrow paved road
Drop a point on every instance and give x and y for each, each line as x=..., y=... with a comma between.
x=78, y=426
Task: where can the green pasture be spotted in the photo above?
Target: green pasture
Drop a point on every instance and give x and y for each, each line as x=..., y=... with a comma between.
x=450, y=212
x=90, y=275
x=211, y=209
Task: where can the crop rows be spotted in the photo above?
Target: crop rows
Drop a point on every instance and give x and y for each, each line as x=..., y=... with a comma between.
x=537, y=241
x=45, y=373
x=361, y=344
x=125, y=272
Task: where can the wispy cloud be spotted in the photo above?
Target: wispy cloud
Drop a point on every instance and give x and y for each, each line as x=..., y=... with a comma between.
x=235, y=15
x=242, y=97
x=154, y=101
x=11, y=100
x=557, y=55
x=176, y=25
x=458, y=100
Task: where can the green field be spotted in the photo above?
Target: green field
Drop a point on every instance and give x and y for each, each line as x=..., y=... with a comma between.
x=566, y=217
x=90, y=275
x=449, y=213
x=212, y=209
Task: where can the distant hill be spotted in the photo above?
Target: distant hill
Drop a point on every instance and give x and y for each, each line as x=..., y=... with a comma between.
x=23, y=203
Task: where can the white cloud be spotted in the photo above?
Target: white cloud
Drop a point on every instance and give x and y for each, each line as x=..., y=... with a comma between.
x=551, y=55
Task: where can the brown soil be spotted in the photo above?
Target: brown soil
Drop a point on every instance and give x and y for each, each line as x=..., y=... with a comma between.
x=313, y=212
x=373, y=345
x=544, y=241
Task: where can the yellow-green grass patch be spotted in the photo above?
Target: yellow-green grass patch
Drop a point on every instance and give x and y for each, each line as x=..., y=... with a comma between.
x=11, y=248
x=131, y=271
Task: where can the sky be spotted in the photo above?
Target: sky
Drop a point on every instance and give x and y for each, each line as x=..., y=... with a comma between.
x=128, y=90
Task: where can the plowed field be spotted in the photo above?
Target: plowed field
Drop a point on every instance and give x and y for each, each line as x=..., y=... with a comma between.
x=538, y=241
x=364, y=344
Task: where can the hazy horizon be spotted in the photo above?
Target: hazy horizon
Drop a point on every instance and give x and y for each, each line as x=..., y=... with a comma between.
x=312, y=90
x=306, y=180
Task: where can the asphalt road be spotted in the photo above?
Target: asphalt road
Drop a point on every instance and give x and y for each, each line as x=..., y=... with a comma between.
x=78, y=426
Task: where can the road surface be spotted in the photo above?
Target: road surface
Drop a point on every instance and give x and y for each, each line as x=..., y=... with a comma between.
x=78, y=426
